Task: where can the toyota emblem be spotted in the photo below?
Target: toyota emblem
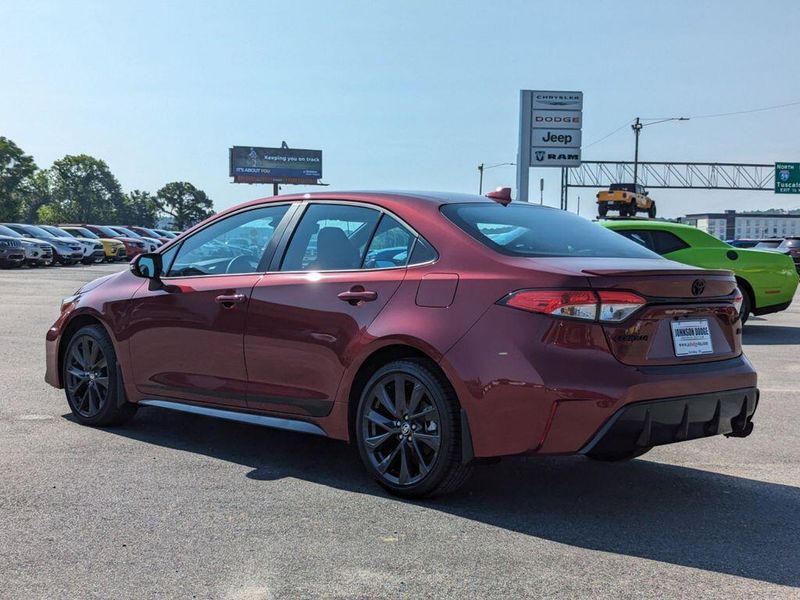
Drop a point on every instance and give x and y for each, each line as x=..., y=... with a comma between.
x=698, y=285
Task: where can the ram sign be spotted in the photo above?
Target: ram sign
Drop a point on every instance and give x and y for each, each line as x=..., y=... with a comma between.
x=253, y=164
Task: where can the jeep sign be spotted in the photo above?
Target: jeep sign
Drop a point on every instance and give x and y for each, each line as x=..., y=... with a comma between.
x=549, y=132
x=559, y=138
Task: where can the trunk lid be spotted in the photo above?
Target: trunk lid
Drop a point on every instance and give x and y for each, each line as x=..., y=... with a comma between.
x=681, y=302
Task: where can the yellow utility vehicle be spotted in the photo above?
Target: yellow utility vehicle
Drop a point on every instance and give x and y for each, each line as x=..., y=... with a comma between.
x=627, y=198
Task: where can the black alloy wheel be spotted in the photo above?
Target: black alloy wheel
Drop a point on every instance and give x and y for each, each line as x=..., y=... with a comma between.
x=407, y=431
x=90, y=379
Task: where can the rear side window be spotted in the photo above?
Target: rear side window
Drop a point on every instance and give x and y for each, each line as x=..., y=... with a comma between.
x=661, y=242
x=390, y=246
x=527, y=230
x=331, y=237
x=790, y=243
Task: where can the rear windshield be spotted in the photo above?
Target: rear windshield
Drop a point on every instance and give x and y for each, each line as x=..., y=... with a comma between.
x=529, y=230
x=790, y=243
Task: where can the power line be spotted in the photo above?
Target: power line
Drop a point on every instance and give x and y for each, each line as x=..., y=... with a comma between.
x=738, y=112
x=625, y=124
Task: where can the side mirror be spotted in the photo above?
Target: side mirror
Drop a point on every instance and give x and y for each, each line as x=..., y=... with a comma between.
x=147, y=266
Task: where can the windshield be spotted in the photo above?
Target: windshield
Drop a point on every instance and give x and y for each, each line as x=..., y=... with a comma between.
x=81, y=232
x=128, y=232
x=54, y=231
x=36, y=231
x=106, y=231
x=9, y=232
x=149, y=232
x=529, y=230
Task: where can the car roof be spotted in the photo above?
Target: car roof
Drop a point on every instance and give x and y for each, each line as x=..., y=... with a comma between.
x=412, y=197
x=647, y=223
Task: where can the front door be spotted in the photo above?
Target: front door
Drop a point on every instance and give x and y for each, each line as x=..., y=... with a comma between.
x=341, y=267
x=186, y=337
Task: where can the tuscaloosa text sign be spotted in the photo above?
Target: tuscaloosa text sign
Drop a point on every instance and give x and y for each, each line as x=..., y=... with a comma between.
x=787, y=178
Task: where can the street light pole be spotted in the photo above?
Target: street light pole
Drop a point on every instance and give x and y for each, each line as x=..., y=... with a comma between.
x=637, y=127
x=482, y=167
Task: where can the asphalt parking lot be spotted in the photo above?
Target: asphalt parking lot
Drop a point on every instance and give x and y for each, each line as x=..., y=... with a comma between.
x=183, y=506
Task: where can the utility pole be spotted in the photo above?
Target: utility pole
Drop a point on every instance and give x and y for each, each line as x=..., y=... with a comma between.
x=482, y=167
x=637, y=127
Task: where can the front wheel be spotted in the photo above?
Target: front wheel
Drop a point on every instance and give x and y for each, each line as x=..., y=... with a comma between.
x=602, y=209
x=651, y=212
x=408, y=430
x=89, y=372
x=747, y=305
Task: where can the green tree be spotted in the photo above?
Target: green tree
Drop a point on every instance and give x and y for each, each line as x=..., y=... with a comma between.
x=36, y=194
x=138, y=208
x=15, y=168
x=185, y=203
x=84, y=190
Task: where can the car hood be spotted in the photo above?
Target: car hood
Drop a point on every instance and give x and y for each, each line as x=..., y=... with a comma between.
x=96, y=283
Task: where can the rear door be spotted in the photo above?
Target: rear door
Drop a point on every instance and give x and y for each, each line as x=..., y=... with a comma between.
x=340, y=267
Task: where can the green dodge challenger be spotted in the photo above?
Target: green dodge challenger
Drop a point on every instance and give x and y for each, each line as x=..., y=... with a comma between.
x=766, y=278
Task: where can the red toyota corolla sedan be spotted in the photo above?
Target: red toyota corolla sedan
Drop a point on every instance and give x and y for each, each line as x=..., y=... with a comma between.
x=431, y=330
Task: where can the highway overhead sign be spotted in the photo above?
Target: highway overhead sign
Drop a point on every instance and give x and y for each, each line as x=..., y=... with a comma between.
x=787, y=178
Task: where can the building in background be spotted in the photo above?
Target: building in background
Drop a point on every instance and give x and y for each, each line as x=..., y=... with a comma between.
x=731, y=225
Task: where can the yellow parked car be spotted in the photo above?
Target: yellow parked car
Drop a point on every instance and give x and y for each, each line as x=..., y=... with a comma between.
x=114, y=249
x=627, y=198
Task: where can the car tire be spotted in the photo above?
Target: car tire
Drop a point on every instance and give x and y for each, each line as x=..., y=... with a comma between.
x=407, y=466
x=52, y=262
x=632, y=208
x=602, y=209
x=87, y=261
x=651, y=212
x=618, y=456
x=747, y=305
x=92, y=385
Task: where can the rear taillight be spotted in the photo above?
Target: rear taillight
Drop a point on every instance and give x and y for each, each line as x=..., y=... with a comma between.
x=737, y=300
x=605, y=306
x=618, y=306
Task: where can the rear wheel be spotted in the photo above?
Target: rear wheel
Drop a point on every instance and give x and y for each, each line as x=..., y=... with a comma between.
x=408, y=431
x=747, y=305
x=602, y=209
x=89, y=372
x=617, y=456
x=651, y=212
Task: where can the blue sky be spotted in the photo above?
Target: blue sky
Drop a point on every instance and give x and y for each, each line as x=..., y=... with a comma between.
x=410, y=95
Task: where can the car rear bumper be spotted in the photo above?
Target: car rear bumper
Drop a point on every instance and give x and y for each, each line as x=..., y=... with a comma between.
x=656, y=422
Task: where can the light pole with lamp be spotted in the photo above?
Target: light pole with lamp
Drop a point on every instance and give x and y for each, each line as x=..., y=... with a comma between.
x=482, y=167
x=637, y=127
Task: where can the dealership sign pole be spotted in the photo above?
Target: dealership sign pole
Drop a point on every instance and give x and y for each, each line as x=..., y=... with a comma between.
x=255, y=164
x=550, y=125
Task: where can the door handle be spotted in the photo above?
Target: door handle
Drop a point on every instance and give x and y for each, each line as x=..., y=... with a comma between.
x=357, y=295
x=230, y=300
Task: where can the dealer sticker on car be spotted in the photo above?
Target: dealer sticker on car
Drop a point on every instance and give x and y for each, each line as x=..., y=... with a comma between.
x=691, y=337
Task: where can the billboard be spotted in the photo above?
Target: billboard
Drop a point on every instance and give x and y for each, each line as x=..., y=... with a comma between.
x=254, y=164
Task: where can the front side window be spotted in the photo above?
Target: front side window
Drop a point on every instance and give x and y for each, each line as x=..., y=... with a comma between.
x=536, y=231
x=233, y=245
x=330, y=237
